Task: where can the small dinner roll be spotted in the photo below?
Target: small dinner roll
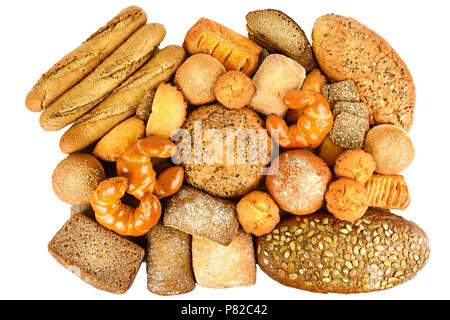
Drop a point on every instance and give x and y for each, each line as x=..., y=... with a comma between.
x=196, y=78
x=234, y=90
x=355, y=164
x=391, y=148
x=76, y=178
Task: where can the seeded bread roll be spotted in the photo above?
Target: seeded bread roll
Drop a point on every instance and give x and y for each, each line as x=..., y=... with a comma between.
x=122, y=103
x=80, y=62
x=346, y=49
x=318, y=253
x=96, y=255
x=275, y=31
x=75, y=178
x=93, y=89
x=200, y=214
x=391, y=147
x=169, y=263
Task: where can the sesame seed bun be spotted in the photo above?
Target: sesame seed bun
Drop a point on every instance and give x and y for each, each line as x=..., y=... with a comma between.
x=76, y=178
x=391, y=148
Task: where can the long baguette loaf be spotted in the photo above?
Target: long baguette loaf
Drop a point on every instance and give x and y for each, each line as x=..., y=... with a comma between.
x=80, y=62
x=104, y=79
x=123, y=102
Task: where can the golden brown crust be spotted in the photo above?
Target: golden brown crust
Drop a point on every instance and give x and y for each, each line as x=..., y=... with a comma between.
x=346, y=49
x=218, y=266
x=355, y=164
x=234, y=90
x=298, y=181
x=328, y=151
x=234, y=51
x=314, y=81
x=168, y=112
x=391, y=148
x=80, y=62
x=75, y=178
x=257, y=213
x=196, y=78
x=347, y=199
x=388, y=192
x=144, y=108
x=123, y=102
x=114, y=70
x=115, y=142
x=169, y=263
x=319, y=253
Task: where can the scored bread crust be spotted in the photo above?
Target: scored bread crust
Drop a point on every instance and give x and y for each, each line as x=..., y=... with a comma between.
x=346, y=49
x=272, y=42
x=233, y=50
x=80, y=62
x=322, y=254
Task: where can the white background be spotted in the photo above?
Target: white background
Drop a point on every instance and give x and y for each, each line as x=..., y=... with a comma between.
x=36, y=34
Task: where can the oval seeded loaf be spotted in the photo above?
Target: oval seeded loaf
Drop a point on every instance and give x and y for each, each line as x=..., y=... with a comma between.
x=319, y=253
x=346, y=49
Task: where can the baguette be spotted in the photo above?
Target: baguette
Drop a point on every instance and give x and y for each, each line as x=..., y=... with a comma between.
x=123, y=102
x=93, y=89
x=80, y=62
x=319, y=253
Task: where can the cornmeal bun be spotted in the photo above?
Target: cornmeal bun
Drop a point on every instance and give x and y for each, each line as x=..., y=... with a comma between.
x=391, y=148
x=76, y=178
x=298, y=182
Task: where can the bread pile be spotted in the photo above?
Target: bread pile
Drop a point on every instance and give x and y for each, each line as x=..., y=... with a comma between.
x=337, y=111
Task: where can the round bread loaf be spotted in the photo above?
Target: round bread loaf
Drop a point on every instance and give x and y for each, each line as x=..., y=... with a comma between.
x=298, y=181
x=319, y=253
x=196, y=78
x=346, y=49
x=76, y=178
x=226, y=175
x=391, y=148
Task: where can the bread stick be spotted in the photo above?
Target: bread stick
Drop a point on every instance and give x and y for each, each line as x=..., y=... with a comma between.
x=123, y=102
x=104, y=79
x=80, y=62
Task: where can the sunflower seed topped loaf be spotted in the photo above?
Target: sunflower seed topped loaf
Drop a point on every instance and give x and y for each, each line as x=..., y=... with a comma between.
x=319, y=253
x=346, y=49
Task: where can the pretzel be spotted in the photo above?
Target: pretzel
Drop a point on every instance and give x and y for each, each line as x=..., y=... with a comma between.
x=312, y=126
x=111, y=213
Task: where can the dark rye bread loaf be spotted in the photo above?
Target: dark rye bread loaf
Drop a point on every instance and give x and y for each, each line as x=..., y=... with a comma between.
x=275, y=31
x=319, y=253
x=98, y=256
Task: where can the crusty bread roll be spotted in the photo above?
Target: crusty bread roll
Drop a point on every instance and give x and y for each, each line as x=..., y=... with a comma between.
x=234, y=51
x=169, y=263
x=297, y=181
x=196, y=78
x=391, y=148
x=93, y=89
x=346, y=49
x=218, y=266
x=80, y=62
x=326, y=255
x=115, y=142
x=123, y=102
x=76, y=177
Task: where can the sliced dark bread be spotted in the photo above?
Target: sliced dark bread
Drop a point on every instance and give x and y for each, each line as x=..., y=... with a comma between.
x=98, y=256
x=275, y=31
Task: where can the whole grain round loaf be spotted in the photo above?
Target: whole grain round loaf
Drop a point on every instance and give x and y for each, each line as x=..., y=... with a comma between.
x=229, y=175
x=346, y=49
